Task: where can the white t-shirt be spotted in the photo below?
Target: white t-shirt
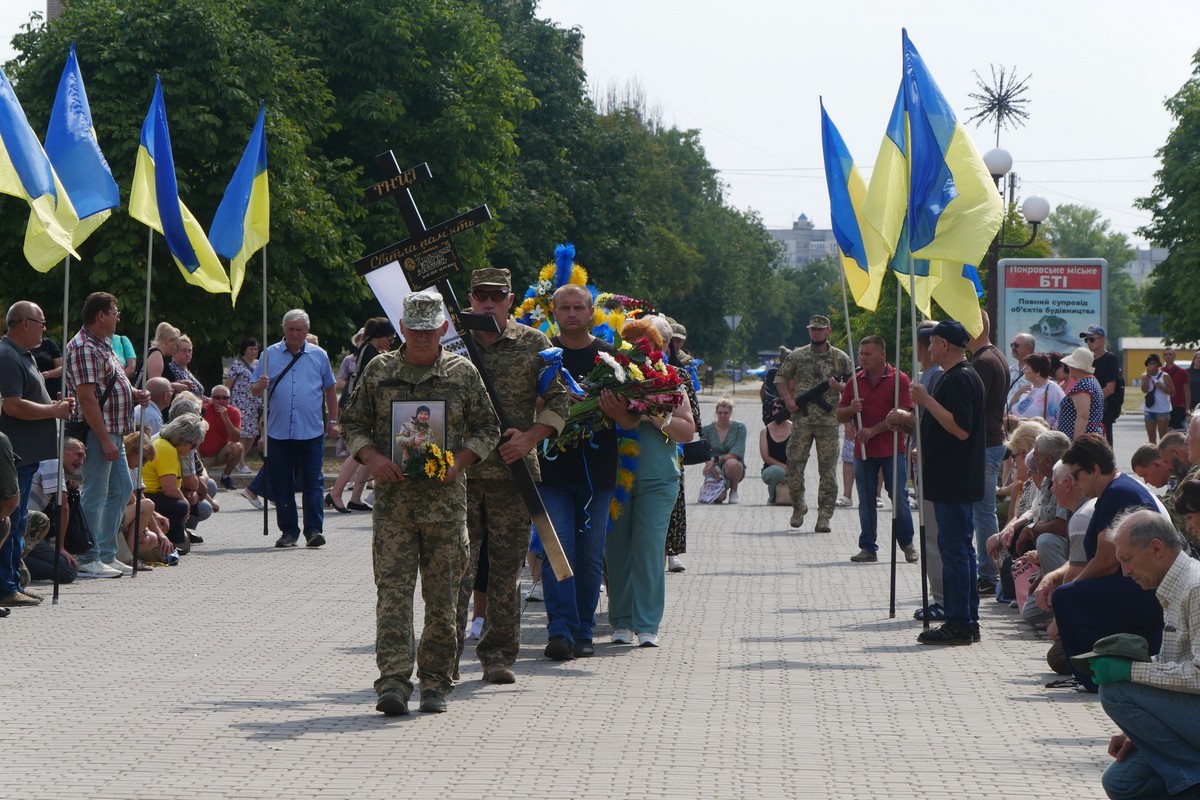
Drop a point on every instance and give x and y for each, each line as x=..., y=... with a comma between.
x=1162, y=400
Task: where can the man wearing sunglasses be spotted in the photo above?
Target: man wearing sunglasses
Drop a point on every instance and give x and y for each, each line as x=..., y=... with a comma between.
x=29, y=422
x=1108, y=375
x=495, y=513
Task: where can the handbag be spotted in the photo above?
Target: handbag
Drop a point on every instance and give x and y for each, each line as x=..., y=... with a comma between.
x=711, y=490
x=696, y=452
x=79, y=537
x=78, y=428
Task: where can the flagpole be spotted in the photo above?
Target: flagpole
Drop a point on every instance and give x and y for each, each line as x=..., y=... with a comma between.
x=918, y=472
x=266, y=401
x=60, y=430
x=895, y=462
x=850, y=350
x=137, y=492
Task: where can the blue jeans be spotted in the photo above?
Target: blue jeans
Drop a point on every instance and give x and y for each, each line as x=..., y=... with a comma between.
x=10, y=553
x=105, y=492
x=866, y=479
x=984, y=513
x=302, y=459
x=1164, y=727
x=580, y=517
x=959, y=578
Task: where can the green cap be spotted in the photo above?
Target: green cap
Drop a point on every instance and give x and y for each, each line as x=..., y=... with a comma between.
x=491, y=276
x=423, y=311
x=818, y=321
x=1122, y=645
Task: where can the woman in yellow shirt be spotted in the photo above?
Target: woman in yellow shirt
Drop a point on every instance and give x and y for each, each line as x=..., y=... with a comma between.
x=163, y=475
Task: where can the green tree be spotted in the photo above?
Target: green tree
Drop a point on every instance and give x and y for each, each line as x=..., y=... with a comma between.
x=1174, y=206
x=1080, y=232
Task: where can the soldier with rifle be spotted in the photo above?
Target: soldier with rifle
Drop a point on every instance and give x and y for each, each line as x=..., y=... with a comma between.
x=813, y=374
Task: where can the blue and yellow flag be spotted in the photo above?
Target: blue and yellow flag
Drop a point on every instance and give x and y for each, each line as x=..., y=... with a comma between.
x=154, y=201
x=75, y=154
x=242, y=225
x=931, y=196
x=26, y=172
x=857, y=241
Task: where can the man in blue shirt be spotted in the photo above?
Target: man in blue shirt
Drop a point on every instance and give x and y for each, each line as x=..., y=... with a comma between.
x=295, y=377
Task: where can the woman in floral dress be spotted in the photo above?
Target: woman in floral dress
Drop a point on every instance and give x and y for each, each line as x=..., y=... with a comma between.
x=238, y=381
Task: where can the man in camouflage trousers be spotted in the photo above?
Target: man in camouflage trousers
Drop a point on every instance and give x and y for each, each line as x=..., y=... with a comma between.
x=815, y=363
x=494, y=508
x=419, y=525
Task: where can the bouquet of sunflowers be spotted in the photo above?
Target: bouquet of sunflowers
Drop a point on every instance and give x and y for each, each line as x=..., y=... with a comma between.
x=638, y=374
x=428, y=462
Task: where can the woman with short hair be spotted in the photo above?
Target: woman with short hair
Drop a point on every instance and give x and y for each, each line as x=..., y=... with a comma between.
x=726, y=439
x=164, y=475
x=241, y=398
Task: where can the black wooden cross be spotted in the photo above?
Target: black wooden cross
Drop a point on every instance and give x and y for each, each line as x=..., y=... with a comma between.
x=428, y=258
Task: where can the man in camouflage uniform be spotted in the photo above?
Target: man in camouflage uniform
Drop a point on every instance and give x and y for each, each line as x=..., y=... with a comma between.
x=806, y=367
x=419, y=525
x=494, y=508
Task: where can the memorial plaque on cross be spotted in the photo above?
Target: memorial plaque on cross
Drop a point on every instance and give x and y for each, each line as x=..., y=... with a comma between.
x=428, y=258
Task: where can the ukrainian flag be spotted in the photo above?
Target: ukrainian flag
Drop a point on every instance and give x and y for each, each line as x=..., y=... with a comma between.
x=954, y=208
x=855, y=238
x=26, y=172
x=75, y=155
x=242, y=225
x=931, y=196
x=154, y=201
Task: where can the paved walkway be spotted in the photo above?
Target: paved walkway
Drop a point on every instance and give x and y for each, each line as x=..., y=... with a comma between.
x=246, y=672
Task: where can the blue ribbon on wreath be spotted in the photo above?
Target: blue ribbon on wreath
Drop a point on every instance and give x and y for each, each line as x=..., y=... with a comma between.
x=554, y=366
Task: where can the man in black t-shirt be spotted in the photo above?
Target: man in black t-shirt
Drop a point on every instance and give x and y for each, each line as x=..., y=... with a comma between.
x=952, y=451
x=576, y=488
x=1108, y=375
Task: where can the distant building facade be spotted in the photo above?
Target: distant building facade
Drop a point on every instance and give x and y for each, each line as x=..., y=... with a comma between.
x=1145, y=261
x=804, y=242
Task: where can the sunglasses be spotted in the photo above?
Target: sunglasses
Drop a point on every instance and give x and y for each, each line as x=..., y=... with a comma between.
x=495, y=295
x=1090, y=339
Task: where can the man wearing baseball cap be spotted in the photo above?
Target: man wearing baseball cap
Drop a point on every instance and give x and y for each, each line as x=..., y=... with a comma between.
x=804, y=369
x=494, y=510
x=1108, y=375
x=1155, y=703
x=420, y=526
x=952, y=452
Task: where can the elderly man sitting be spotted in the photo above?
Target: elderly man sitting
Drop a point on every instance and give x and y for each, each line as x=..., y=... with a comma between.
x=1155, y=703
x=222, y=444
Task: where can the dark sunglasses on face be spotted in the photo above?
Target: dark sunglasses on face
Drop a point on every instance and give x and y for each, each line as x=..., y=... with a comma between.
x=495, y=295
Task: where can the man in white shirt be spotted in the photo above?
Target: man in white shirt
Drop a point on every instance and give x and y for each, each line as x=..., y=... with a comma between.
x=1155, y=703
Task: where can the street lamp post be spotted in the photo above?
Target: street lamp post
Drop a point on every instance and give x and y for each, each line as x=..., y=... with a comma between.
x=733, y=320
x=1035, y=210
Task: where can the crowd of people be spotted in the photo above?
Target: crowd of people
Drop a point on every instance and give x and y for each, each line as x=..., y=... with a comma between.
x=1065, y=547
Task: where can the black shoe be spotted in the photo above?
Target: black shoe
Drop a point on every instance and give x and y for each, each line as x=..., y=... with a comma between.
x=559, y=648
x=227, y=482
x=432, y=702
x=329, y=503
x=585, y=649
x=975, y=637
x=353, y=506
x=285, y=541
x=316, y=540
x=951, y=633
x=392, y=703
x=194, y=539
x=986, y=586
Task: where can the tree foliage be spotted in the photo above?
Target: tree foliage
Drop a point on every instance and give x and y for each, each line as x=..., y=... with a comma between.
x=493, y=98
x=1174, y=205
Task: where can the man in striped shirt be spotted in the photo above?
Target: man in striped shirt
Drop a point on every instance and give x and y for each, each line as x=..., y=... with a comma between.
x=1156, y=703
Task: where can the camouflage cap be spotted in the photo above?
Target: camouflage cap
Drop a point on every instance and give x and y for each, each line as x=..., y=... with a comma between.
x=423, y=311
x=818, y=321
x=491, y=276
x=678, y=331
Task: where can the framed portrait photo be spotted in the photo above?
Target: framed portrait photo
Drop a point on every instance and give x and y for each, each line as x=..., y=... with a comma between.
x=415, y=424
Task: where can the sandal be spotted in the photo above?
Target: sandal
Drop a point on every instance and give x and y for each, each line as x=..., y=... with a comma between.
x=1065, y=683
x=934, y=612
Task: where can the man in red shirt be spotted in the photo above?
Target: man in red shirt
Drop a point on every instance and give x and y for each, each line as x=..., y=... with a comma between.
x=867, y=401
x=1181, y=400
x=222, y=444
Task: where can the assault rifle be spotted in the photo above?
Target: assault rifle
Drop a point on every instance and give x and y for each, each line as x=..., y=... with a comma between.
x=816, y=395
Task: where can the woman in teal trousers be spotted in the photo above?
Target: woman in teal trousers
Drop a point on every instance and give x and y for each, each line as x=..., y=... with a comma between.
x=637, y=530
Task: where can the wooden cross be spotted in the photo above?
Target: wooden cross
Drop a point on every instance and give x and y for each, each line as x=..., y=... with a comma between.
x=428, y=258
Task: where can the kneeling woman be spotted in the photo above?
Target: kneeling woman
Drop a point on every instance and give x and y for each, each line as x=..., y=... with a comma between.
x=163, y=475
x=637, y=532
